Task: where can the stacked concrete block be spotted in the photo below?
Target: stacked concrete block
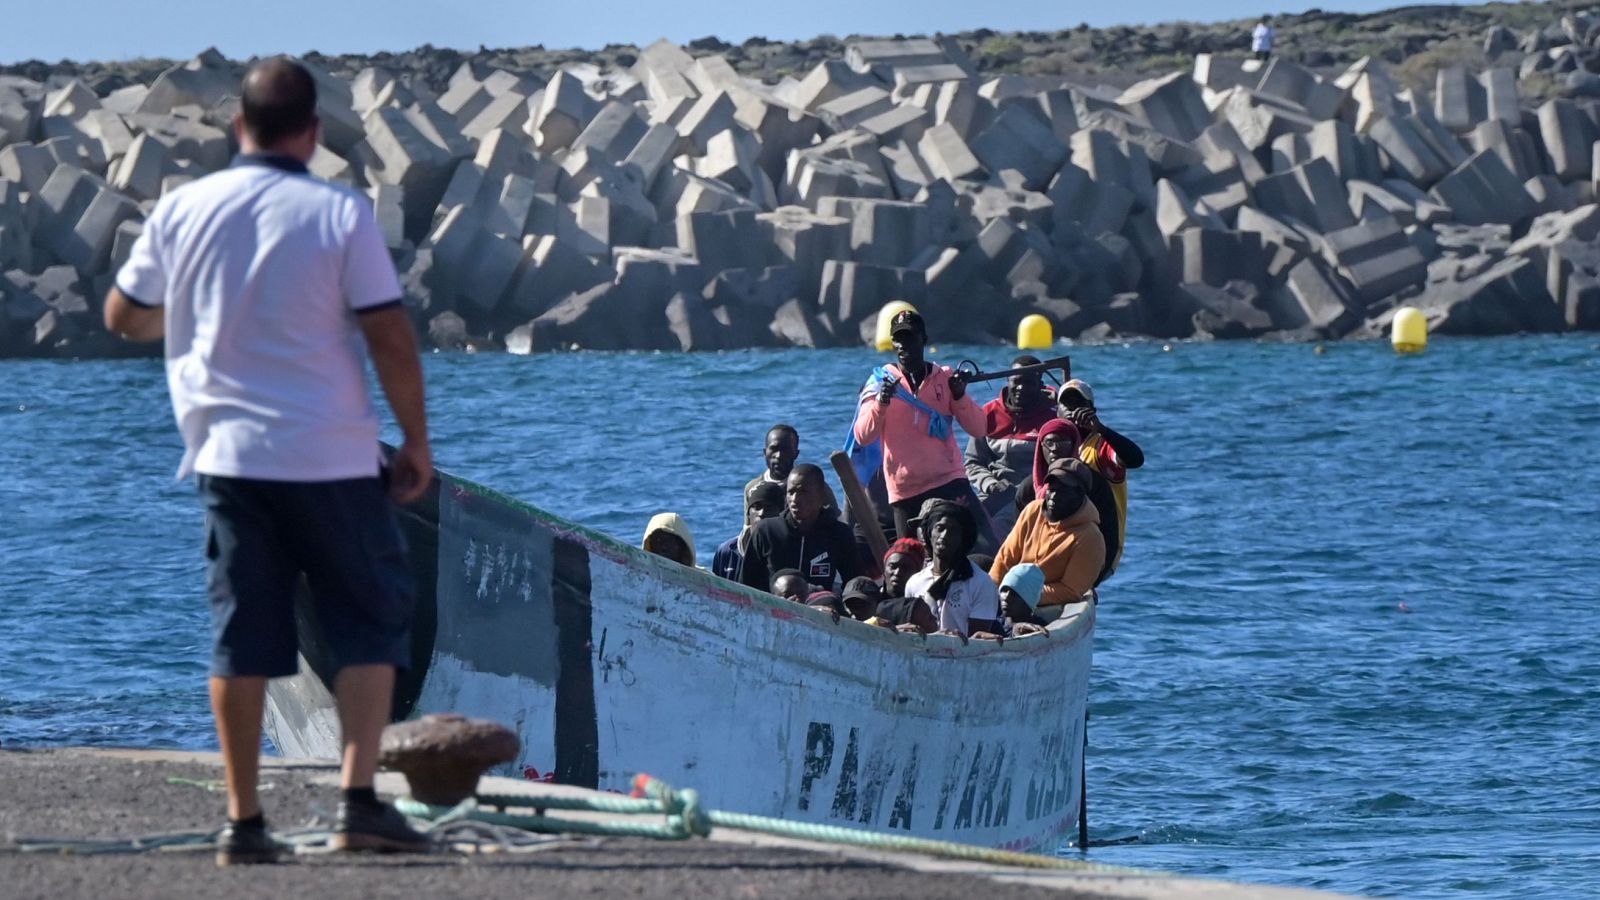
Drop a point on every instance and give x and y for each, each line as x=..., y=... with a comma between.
x=508, y=111
x=1411, y=155
x=813, y=176
x=1018, y=141
x=1093, y=206
x=1259, y=119
x=727, y=239
x=1171, y=105
x=140, y=171
x=403, y=154
x=203, y=81
x=709, y=115
x=1175, y=212
x=72, y=101
x=1287, y=83
x=1568, y=137
x=27, y=165
x=828, y=81
x=882, y=232
x=852, y=109
x=1309, y=193
x=564, y=109
x=1483, y=190
x=904, y=122
x=1108, y=160
x=908, y=174
x=1573, y=277
x=1376, y=257
x=1216, y=72
x=1516, y=148
x=1215, y=256
x=850, y=292
x=613, y=132
x=1314, y=298
x=704, y=209
x=1224, y=189
x=1372, y=91
x=882, y=58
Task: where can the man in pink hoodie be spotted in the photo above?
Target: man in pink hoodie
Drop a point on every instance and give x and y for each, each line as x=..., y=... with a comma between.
x=907, y=410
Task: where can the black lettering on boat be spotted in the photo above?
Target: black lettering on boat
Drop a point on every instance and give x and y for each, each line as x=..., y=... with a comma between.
x=1002, y=813
x=844, y=796
x=1049, y=787
x=879, y=772
x=818, y=760
x=969, y=792
x=991, y=784
x=900, y=816
x=948, y=787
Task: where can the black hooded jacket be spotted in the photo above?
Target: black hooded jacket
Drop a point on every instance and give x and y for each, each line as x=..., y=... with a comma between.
x=826, y=555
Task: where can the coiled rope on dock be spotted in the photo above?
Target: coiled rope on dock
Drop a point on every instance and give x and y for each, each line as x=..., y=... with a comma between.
x=509, y=822
x=684, y=817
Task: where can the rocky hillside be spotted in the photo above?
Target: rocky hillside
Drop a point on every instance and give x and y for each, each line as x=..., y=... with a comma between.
x=1121, y=182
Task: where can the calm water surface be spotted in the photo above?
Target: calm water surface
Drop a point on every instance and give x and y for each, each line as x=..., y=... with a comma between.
x=1352, y=645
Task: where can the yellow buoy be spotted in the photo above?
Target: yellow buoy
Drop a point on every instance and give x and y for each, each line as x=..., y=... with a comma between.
x=1035, y=332
x=883, y=341
x=1409, y=333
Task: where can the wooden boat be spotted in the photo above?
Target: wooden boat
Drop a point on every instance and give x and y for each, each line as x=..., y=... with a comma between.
x=608, y=661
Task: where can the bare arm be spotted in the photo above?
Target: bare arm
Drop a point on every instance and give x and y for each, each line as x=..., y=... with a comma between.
x=1128, y=453
x=393, y=345
x=133, y=321
x=869, y=420
x=970, y=415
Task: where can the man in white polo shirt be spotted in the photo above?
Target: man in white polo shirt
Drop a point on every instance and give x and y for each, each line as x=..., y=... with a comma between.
x=269, y=285
x=1261, y=39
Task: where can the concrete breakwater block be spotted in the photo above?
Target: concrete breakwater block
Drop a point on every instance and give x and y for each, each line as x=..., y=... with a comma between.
x=679, y=203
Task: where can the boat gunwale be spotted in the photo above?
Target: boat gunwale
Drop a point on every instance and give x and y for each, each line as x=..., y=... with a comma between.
x=1077, y=619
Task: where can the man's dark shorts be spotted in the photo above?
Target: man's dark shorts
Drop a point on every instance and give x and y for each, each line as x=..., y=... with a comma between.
x=261, y=536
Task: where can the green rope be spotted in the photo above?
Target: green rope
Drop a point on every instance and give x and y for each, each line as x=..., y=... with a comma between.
x=684, y=818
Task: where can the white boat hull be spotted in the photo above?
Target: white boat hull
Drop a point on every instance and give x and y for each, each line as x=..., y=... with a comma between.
x=609, y=662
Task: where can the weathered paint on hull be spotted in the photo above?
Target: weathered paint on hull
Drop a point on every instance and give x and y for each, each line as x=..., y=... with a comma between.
x=609, y=662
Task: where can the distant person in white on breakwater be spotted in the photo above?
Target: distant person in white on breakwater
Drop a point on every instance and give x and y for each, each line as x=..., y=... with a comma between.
x=1261, y=39
x=267, y=283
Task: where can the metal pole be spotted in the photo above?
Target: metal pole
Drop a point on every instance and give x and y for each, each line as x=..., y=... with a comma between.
x=1083, y=790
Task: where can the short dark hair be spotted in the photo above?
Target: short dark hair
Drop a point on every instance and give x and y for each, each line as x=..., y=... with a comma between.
x=278, y=100
x=772, y=584
x=1026, y=359
x=809, y=472
x=786, y=428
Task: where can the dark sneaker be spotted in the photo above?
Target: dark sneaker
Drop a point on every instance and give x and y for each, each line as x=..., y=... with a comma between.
x=246, y=845
x=381, y=828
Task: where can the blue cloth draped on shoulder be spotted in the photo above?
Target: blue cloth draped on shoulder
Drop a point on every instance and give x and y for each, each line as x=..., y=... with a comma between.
x=867, y=459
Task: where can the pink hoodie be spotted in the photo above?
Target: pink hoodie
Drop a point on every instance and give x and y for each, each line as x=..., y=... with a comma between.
x=913, y=462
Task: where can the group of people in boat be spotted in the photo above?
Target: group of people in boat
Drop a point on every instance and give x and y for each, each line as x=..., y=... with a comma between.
x=990, y=543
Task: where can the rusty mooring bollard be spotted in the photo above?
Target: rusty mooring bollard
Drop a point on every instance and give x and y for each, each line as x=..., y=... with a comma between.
x=442, y=755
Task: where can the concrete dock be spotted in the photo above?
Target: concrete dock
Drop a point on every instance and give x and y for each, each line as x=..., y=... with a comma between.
x=121, y=794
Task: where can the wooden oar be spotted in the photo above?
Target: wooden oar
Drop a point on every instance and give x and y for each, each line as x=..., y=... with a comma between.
x=861, y=508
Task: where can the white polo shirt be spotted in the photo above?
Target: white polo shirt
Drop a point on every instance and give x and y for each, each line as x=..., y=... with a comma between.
x=1261, y=38
x=975, y=598
x=261, y=269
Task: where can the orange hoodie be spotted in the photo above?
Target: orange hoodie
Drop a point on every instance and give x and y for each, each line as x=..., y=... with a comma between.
x=1071, y=552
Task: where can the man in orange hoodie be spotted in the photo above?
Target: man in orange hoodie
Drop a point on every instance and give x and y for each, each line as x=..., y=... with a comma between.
x=1060, y=534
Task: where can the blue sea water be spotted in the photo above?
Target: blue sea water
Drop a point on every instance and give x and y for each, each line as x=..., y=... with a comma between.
x=1352, y=645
